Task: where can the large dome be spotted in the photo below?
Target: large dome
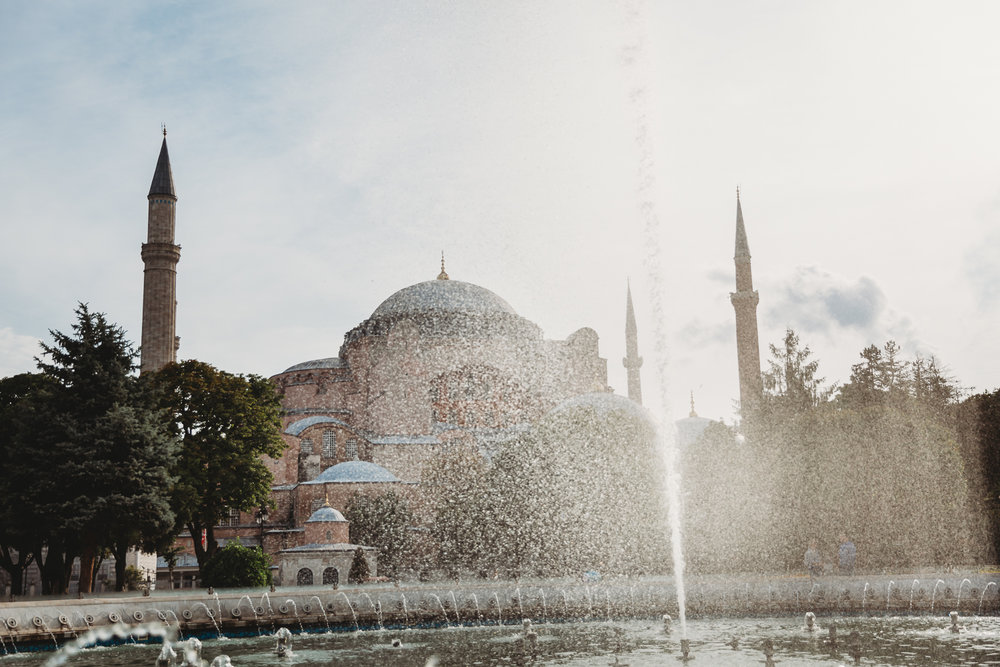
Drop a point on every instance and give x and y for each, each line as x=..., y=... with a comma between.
x=445, y=308
x=442, y=296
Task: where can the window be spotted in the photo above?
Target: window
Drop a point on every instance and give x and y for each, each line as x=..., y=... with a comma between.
x=351, y=449
x=307, y=446
x=304, y=577
x=232, y=519
x=331, y=576
x=329, y=444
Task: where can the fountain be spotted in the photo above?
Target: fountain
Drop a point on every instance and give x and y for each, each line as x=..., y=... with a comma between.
x=958, y=602
x=283, y=642
x=621, y=614
x=934, y=593
x=979, y=611
x=625, y=632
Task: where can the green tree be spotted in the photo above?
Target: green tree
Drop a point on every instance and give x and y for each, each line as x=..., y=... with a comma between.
x=18, y=531
x=881, y=376
x=863, y=388
x=359, y=572
x=933, y=388
x=382, y=522
x=237, y=566
x=790, y=383
x=225, y=424
x=101, y=453
x=983, y=460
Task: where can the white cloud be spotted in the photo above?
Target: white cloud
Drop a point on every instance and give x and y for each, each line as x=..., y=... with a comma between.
x=813, y=300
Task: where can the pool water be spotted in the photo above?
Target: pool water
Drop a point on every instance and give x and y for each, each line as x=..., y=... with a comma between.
x=921, y=640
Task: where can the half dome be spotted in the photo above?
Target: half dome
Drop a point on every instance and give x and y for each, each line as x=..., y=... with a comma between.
x=353, y=472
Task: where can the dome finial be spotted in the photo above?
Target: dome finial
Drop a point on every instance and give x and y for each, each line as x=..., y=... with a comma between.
x=693, y=413
x=442, y=275
x=163, y=126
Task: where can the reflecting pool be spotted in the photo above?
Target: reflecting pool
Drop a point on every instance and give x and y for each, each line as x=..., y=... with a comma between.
x=919, y=640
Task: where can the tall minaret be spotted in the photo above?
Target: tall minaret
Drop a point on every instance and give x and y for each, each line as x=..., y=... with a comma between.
x=160, y=257
x=745, y=300
x=632, y=360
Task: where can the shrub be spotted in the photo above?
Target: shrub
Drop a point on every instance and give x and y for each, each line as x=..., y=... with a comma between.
x=359, y=568
x=237, y=566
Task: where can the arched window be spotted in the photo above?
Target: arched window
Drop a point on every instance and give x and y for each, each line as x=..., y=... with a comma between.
x=331, y=577
x=304, y=577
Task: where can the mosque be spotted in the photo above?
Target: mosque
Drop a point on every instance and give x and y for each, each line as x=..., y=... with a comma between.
x=439, y=363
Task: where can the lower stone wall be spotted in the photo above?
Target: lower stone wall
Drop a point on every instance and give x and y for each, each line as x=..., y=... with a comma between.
x=47, y=623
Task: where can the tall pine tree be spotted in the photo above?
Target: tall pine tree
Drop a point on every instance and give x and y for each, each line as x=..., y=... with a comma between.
x=99, y=457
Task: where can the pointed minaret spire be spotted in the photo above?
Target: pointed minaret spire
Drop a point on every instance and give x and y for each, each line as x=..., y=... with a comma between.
x=744, y=301
x=163, y=178
x=632, y=360
x=742, y=246
x=160, y=256
x=443, y=275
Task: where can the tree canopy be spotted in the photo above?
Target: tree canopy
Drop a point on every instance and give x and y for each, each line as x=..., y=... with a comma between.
x=88, y=454
x=225, y=424
x=879, y=459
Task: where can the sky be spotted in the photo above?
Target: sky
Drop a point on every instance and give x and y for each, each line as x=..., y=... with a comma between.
x=325, y=154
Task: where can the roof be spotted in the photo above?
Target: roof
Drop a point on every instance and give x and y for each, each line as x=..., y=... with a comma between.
x=326, y=514
x=445, y=308
x=449, y=296
x=742, y=246
x=163, y=178
x=329, y=547
x=316, y=364
x=404, y=440
x=353, y=472
x=296, y=427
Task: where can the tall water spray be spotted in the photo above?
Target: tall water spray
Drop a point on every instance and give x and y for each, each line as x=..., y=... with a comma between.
x=638, y=76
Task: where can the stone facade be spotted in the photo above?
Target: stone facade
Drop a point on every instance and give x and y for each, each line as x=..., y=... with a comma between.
x=438, y=364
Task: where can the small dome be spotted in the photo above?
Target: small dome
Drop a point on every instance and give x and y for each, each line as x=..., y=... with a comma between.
x=353, y=472
x=326, y=514
x=445, y=296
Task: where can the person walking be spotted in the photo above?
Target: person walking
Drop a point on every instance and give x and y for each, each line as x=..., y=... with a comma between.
x=847, y=554
x=813, y=561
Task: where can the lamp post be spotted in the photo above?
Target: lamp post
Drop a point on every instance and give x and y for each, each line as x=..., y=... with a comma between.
x=261, y=517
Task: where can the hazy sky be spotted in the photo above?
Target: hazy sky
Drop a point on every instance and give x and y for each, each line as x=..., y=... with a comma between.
x=325, y=153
